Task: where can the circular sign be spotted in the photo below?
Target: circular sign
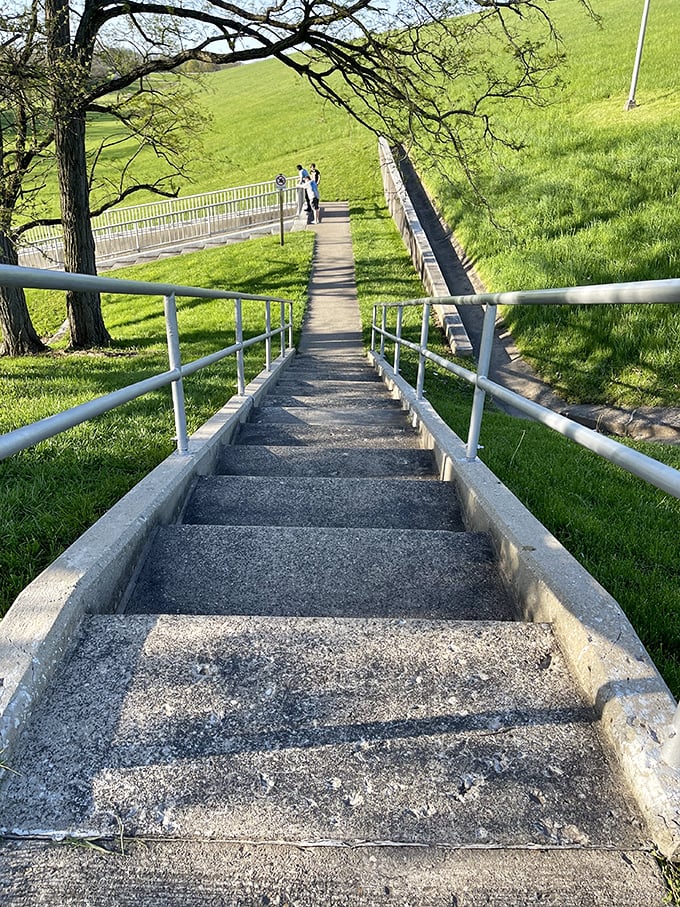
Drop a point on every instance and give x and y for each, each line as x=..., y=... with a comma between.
x=281, y=181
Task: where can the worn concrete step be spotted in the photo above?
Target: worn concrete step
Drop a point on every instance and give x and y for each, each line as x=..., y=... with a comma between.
x=320, y=571
x=329, y=435
x=333, y=399
x=154, y=874
x=435, y=733
x=323, y=386
x=291, y=460
x=388, y=414
x=289, y=501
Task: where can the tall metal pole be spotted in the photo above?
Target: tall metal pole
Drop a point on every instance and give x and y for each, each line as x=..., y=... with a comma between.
x=630, y=103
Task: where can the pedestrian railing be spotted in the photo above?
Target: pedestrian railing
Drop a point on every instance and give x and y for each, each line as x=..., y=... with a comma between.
x=647, y=292
x=129, y=230
x=279, y=309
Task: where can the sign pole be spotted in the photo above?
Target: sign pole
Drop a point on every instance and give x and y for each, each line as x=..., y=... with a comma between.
x=281, y=183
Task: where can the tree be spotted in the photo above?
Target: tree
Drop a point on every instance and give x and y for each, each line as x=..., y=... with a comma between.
x=423, y=73
x=22, y=110
x=146, y=118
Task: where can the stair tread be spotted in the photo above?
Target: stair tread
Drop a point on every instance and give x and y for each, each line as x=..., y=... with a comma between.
x=329, y=435
x=320, y=571
x=273, y=729
x=386, y=414
x=313, y=501
x=253, y=876
x=290, y=460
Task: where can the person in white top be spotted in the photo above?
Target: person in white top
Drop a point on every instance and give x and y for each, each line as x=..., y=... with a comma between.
x=313, y=196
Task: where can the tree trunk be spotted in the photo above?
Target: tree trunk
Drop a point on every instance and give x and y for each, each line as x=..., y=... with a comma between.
x=84, y=311
x=19, y=337
x=70, y=67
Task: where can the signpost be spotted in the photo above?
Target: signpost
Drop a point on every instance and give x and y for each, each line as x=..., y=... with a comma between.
x=281, y=182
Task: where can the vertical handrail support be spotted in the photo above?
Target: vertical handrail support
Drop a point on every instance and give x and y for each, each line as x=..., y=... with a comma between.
x=482, y=372
x=424, y=330
x=175, y=361
x=240, y=369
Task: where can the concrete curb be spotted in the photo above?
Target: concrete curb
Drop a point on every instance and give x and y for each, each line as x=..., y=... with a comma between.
x=91, y=576
x=418, y=245
x=605, y=654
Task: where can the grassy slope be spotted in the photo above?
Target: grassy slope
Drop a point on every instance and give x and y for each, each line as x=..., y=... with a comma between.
x=592, y=198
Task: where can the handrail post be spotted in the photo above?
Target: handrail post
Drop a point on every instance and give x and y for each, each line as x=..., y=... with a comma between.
x=240, y=370
x=290, y=325
x=282, y=318
x=383, y=325
x=397, y=345
x=373, y=320
x=177, y=387
x=482, y=372
x=424, y=330
x=268, y=328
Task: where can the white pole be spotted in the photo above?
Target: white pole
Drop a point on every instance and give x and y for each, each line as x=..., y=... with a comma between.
x=630, y=103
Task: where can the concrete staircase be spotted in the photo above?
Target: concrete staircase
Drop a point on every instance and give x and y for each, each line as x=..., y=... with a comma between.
x=318, y=694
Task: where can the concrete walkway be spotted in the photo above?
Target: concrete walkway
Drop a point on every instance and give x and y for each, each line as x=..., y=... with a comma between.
x=317, y=692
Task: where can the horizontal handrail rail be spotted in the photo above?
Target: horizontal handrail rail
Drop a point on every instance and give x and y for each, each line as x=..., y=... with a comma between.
x=36, y=278
x=645, y=292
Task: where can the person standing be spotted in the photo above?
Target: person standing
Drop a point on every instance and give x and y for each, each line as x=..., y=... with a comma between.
x=303, y=198
x=313, y=196
x=314, y=173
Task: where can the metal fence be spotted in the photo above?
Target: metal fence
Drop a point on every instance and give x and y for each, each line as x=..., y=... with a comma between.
x=122, y=231
x=29, y=435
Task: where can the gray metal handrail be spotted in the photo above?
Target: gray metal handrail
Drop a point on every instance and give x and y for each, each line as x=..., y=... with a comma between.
x=120, y=231
x=646, y=292
x=36, y=278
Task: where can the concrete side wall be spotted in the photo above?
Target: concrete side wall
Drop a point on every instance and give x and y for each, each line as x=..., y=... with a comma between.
x=91, y=576
x=605, y=654
x=421, y=253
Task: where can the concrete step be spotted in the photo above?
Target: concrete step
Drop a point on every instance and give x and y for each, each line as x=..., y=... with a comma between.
x=355, y=416
x=332, y=399
x=328, y=436
x=289, y=501
x=253, y=460
x=436, y=733
x=320, y=571
x=251, y=875
x=322, y=386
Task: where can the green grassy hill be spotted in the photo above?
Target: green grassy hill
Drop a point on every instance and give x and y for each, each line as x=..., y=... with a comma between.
x=592, y=198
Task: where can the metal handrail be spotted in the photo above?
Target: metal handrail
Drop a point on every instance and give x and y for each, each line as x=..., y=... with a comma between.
x=158, y=223
x=36, y=278
x=644, y=292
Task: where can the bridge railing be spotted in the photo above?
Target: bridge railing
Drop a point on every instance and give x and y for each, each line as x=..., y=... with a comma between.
x=279, y=310
x=153, y=225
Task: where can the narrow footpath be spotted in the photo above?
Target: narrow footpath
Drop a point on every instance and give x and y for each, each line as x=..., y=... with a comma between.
x=318, y=692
